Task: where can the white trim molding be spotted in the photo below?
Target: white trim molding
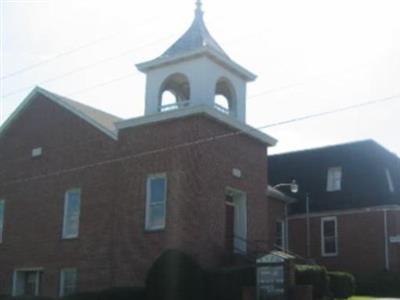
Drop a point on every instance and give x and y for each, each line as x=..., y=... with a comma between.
x=195, y=110
x=204, y=51
x=347, y=212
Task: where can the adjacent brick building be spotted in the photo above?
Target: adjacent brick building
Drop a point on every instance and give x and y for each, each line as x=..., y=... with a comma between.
x=89, y=201
x=353, y=196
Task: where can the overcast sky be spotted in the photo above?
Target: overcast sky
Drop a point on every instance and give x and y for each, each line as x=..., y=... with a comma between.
x=310, y=56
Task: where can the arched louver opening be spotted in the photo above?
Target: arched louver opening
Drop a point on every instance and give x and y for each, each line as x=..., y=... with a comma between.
x=225, y=97
x=174, y=92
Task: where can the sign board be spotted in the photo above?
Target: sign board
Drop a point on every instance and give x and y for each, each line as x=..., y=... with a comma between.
x=271, y=281
x=395, y=239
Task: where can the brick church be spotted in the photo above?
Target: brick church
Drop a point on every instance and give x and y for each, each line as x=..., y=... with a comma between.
x=89, y=201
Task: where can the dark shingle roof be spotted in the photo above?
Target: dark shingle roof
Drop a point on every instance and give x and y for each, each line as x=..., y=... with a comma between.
x=364, y=182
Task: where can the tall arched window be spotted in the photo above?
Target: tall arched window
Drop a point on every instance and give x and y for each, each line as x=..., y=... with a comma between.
x=225, y=97
x=174, y=92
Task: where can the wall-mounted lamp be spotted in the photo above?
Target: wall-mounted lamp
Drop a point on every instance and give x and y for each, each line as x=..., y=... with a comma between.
x=294, y=187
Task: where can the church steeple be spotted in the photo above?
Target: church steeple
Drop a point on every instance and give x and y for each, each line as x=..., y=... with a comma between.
x=196, y=37
x=199, y=12
x=195, y=70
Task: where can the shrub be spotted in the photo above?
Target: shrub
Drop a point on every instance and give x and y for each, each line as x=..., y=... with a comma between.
x=384, y=284
x=227, y=283
x=84, y=296
x=28, y=298
x=117, y=293
x=124, y=293
x=342, y=284
x=314, y=275
x=175, y=276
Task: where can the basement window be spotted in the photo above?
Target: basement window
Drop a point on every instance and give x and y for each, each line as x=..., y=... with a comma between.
x=68, y=281
x=26, y=282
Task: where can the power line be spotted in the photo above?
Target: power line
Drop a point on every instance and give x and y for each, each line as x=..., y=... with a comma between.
x=331, y=112
x=101, y=84
x=88, y=66
x=204, y=140
x=69, y=52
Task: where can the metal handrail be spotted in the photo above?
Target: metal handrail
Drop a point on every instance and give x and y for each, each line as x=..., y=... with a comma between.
x=221, y=108
x=176, y=105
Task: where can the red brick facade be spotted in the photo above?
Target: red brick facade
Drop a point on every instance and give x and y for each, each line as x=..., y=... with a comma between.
x=360, y=239
x=113, y=248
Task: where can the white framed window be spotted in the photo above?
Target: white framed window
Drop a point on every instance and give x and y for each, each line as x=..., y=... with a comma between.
x=156, y=198
x=26, y=282
x=280, y=234
x=389, y=180
x=72, y=208
x=334, y=179
x=329, y=236
x=68, y=281
x=2, y=208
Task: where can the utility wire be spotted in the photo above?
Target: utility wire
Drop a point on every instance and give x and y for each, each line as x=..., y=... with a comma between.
x=88, y=66
x=331, y=112
x=202, y=141
x=70, y=51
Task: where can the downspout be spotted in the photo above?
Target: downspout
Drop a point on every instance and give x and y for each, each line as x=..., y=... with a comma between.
x=286, y=245
x=308, y=229
x=387, y=259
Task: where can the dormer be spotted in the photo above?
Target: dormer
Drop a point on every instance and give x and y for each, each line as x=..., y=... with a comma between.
x=195, y=70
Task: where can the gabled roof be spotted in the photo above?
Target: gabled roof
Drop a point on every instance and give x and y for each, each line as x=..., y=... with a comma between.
x=99, y=119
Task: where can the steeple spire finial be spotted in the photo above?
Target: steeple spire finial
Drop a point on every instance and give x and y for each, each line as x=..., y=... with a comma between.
x=199, y=11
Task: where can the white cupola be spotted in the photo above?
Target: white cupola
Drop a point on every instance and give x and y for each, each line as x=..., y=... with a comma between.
x=195, y=70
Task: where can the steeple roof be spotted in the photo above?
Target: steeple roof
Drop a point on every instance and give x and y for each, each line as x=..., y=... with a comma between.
x=195, y=42
x=196, y=37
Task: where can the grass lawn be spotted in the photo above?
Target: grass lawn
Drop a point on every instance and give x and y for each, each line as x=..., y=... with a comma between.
x=365, y=298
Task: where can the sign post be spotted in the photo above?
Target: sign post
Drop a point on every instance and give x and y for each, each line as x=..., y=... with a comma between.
x=274, y=276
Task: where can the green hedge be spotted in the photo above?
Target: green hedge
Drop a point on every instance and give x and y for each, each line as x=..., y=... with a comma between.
x=383, y=284
x=7, y=297
x=117, y=293
x=175, y=276
x=227, y=283
x=314, y=275
x=341, y=284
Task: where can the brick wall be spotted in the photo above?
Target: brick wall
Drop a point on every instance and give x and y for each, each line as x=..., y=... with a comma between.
x=113, y=248
x=361, y=240
x=34, y=194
